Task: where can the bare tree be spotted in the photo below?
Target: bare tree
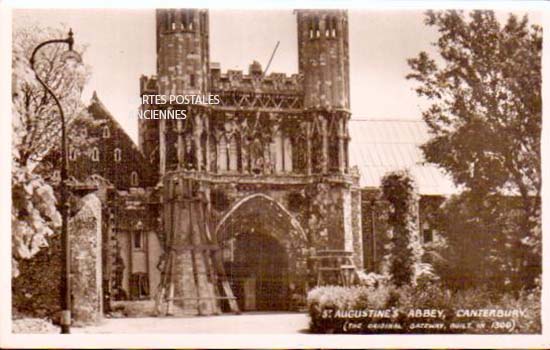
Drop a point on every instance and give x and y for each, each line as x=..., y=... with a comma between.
x=36, y=130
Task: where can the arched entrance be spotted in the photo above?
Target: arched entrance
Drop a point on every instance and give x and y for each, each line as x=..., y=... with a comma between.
x=260, y=240
x=258, y=273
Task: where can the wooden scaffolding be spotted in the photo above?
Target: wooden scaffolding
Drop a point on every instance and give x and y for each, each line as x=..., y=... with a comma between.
x=335, y=267
x=193, y=279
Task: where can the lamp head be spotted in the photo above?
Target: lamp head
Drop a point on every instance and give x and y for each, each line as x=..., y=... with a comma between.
x=71, y=56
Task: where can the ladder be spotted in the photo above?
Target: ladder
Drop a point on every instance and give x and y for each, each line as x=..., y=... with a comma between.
x=335, y=267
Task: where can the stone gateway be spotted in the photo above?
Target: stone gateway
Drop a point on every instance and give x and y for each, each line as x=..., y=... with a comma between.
x=270, y=160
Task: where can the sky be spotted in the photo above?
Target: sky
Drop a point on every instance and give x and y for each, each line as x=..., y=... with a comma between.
x=121, y=48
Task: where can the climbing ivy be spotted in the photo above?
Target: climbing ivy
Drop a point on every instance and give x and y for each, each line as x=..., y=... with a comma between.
x=405, y=250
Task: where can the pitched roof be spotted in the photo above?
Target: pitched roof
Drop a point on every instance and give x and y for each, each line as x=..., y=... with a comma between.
x=98, y=111
x=135, y=157
x=380, y=146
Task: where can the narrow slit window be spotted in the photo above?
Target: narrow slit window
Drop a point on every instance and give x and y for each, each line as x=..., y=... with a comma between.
x=106, y=132
x=73, y=154
x=134, y=179
x=95, y=154
x=138, y=240
x=118, y=155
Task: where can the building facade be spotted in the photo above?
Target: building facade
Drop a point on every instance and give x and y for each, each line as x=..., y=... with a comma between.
x=271, y=160
x=111, y=166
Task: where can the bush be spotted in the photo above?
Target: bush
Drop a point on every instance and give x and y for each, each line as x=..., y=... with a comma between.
x=511, y=257
x=323, y=302
x=35, y=292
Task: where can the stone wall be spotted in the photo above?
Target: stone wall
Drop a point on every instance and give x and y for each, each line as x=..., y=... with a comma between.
x=36, y=290
x=86, y=269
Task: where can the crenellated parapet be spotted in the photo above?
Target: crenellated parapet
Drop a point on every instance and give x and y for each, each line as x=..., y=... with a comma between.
x=148, y=85
x=254, y=81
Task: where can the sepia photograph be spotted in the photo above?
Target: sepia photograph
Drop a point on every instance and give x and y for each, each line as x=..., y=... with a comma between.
x=286, y=171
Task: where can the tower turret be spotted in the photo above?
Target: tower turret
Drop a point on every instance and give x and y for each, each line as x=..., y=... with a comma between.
x=323, y=54
x=182, y=51
x=323, y=61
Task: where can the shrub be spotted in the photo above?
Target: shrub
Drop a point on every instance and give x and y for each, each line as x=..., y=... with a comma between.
x=35, y=292
x=323, y=302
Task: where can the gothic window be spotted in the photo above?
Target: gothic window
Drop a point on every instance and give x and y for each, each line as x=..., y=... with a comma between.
x=239, y=143
x=330, y=26
x=346, y=154
x=204, y=150
x=299, y=154
x=134, y=179
x=192, y=80
x=183, y=15
x=223, y=159
x=213, y=153
x=281, y=152
x=118, y=155
x=256, y=156
x=167, y=21
x=138, y=239
x=317, y=31
x=171, y=146
x=287, y=153
x=95, y=154
x=106, y=132
x=317, y=150
x=334, y=156
x=334, y=148
x=189, y=157
x=277, y=152
x=232, y=150
x=235, y=153
x=311, y=30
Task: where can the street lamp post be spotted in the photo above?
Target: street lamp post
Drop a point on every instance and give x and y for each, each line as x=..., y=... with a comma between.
x=65, y=285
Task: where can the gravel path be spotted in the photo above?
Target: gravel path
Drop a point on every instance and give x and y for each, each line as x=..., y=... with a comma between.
x=33, y=326
x=273, y=323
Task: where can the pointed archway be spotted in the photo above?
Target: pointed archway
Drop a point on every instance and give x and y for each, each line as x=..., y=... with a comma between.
x=260, y=240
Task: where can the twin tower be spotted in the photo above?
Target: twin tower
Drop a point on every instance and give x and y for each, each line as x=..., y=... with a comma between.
x=323, y=53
